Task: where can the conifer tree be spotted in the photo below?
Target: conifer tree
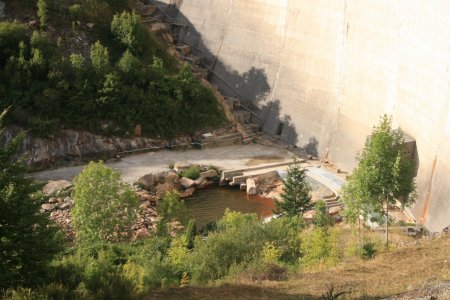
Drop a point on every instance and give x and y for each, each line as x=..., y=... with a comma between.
x=27, y=240
x=296, y=193
x=191, y=231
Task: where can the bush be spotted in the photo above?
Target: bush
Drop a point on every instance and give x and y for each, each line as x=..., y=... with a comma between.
x=368, y=249
x=11, y=33
x=127, y=29
x=242, y=242
x=75, y=12
x=42, y=12
x=105, y=208
x=171, y=208
x=320, y=248
x=193, y=172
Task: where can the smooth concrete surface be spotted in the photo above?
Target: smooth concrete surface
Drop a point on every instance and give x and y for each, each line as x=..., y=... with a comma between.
x=328, y=69
x=133, y=167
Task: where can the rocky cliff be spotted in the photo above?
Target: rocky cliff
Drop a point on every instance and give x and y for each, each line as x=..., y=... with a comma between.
x=71, y=147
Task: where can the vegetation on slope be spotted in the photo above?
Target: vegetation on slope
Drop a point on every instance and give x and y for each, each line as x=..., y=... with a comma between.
x=118, y=78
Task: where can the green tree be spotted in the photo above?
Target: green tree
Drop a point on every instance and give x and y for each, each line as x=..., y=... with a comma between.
x=381, y=177
x=296, y=193
x=191, y=232
x=170, y=208
x=105, y=208
x=128, y=63
x=42, y=12
x=27, y=240
x=321, y=218
x=127, y=29
x=99, y=58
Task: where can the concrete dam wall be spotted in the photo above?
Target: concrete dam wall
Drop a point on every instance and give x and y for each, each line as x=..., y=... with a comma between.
x=322, y=72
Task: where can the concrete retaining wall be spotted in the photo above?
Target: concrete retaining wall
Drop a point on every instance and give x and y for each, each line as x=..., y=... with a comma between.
x=328, y=69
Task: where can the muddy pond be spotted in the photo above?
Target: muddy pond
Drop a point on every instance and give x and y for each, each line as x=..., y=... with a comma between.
x=209, y=204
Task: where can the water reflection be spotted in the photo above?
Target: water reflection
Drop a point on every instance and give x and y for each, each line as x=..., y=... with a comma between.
x=209, y=204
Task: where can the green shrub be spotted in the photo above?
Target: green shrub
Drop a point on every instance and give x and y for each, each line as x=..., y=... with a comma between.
x=11, y=33
x=320, y=248
x=42, y=12
x=368, y=249
x=105, y=208
x=75, y=12
x=241, y=242
x=170, y=208
x=193, y=172
x=127, y=29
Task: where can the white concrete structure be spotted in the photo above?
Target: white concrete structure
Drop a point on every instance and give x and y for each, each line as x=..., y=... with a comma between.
x=328, y=69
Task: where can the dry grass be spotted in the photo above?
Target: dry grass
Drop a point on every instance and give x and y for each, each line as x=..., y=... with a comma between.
x=389, y=273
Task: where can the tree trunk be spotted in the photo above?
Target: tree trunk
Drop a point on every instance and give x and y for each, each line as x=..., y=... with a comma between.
x=359, y=234
x=387, y=225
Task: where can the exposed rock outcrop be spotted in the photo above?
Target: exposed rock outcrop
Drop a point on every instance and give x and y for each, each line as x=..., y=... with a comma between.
x=70, y=146
x=57, y=187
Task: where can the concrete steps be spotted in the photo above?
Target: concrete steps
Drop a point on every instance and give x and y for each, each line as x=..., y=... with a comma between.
x=222, y=140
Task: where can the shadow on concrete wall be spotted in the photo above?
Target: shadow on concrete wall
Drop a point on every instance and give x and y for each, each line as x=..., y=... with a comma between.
x=251, y=87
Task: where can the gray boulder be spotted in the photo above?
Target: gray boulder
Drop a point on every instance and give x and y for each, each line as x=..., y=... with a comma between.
x=209, y=174
x=187, y=183
x=147, y=181
x=180, y=166
x=48, y=206
x=53, y=188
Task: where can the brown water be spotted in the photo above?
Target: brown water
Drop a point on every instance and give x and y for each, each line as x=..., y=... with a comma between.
x=209, y=204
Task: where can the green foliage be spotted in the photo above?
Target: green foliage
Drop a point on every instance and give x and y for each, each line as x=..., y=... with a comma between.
x=381, y=176
x=105, y=208
x=270, y=253
x=27, y=241
x=368, y=249
x=320, y=247
x=120, y=89
x=127, y=29
x=172, y=207
x=382, y=173
x=75, y=12
x=193, y=172
x=100, y=58
x=321, y=218
x=11, y=33
x=77, y=61
x=296, y=193
x=191, y=232
x=239, y=242
x=128, y=63
x=42, y=12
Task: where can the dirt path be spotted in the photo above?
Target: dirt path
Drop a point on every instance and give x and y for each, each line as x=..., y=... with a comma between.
x=133, y=167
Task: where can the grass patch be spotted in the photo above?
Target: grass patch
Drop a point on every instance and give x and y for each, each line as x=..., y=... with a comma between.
x=193, y=172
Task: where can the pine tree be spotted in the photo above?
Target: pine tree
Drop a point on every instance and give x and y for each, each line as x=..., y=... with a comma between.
x=100, y=58
x=191, y=232
x=27, y=240
x=42, y=12
x=296, y=193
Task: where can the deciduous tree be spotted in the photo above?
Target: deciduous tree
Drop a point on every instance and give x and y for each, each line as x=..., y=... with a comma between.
x=382, y=175
x=105, y=208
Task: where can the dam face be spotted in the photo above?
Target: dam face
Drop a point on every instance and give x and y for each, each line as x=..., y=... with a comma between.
x=322, y=72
